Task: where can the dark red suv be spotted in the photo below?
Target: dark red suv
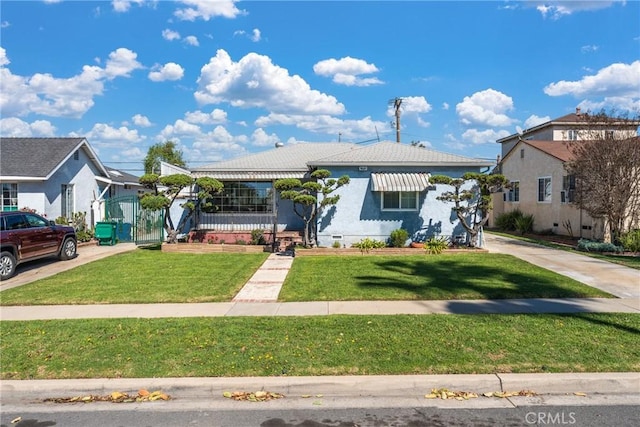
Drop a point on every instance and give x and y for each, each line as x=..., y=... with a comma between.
x=25, y=236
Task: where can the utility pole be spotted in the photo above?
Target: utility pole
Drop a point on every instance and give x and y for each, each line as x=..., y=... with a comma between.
x=397, y=102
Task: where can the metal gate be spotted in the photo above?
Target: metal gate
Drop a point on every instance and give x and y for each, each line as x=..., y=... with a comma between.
x=134, y=224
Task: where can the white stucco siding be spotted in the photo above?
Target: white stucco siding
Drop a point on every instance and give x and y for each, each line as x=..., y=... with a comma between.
x=358, y=214
x=82, y=174
x=30, y=196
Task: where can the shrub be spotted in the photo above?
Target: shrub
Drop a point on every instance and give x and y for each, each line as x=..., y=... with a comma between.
x=257, y=237
x=591, y=246
x=62, y=220
x=84, y=235
x=524, y=223
x=399, y=238
x=631, y=241
x=507, y=221
x=366, y=244
x=336, y=244
x=241, y=242
x=436, y=245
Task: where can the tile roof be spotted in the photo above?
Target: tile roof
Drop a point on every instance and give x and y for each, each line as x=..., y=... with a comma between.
x=39, y=157
x=558, y=149
x=393, y=154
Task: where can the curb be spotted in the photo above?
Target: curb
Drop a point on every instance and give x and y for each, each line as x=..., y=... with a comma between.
x=374, y=386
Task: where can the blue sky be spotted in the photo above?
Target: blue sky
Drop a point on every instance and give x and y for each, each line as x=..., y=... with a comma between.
x=225, y=78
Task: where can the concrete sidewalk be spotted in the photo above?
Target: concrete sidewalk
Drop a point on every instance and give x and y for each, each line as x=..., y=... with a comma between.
x=322, y=308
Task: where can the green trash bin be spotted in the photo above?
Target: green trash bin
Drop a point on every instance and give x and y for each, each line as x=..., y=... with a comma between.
x=106, y=233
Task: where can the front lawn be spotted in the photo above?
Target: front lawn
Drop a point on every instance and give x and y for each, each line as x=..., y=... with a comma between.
x=426, y=277
x=326, y=345
x=143, y=276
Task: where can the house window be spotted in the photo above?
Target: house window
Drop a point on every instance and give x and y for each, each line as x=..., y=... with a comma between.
x=522, y=153
x=9, y=196
x=76, y=155
x=572, y=135
x=544, y=189
x=608, y=134
x=513, y=195
x=66, y=209
x=244, y=197
x=567, y=195
x=399, y=201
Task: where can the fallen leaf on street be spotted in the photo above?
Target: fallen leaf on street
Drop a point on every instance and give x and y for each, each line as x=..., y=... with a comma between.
x=115, y=397
x=257, y=396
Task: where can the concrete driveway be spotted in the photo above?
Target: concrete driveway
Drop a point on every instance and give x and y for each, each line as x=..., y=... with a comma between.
x=623, y=282
x=45, y=267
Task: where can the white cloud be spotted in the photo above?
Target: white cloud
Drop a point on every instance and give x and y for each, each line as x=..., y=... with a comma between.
x=102, y=132
x=60, y=97
x=486, y=108
x=180, y=128
x=346, y=71
x=133, y=153
x=616, y=80
x=476, y=136
x=169, y=71
x=256, y=35
x=5, y=24
x=142, y=121
x=534, y=120
x=254, y=81
x=121, y=63
x=558, y=9
x=207, y=9
x=3, y=57
x=170, y=35
x=445, y=106
x=350, y=129
x=589, y=48
x=261, y=139
x=217, y=116
x=14, y=127
x=411, y=108
x=192, y=41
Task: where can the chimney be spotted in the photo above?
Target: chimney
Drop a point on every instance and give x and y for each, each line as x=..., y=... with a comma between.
x=498, y=159
x=577, y=111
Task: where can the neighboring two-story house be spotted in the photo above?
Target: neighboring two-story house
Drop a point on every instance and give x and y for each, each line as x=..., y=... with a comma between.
x=534, y=162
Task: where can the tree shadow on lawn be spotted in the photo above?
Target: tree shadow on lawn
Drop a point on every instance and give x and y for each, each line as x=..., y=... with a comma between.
x=453, y=278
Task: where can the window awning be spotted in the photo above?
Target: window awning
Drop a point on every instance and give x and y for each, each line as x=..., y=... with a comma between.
x=399, y=181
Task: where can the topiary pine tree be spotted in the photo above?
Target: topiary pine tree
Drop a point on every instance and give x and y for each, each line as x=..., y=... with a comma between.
x=471, y=205
x=304, y=196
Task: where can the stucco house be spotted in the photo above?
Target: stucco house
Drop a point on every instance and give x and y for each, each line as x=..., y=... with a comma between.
x=533, y=161
x=58, y=177
x=389, y=189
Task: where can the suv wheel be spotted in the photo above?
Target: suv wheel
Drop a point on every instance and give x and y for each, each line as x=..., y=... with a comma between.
x=7, y=265
x=69, y=249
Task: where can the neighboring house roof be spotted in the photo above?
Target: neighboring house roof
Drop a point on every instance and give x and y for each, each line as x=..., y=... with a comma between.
x=37, y=159
x=288, y=161
x=573, y=119
x=395, y=154
x=559, y=150
x=119, y=177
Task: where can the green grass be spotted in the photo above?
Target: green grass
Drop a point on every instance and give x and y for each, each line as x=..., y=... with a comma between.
x=326, y=345
x=422, y=277
x=626, y=260
x=143, y=276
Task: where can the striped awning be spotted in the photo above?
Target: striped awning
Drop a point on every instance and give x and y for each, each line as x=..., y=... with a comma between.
x=399, y=181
